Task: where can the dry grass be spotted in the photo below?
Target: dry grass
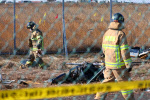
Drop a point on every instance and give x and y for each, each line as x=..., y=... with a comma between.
x=10, y=70
x=79, y=20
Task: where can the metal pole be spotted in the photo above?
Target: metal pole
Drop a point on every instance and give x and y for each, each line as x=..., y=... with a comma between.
x=14, y=52
x=110, y=10
x=64, y=35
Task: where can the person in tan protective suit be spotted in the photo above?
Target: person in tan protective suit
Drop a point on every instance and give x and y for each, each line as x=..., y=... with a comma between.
x=36, y=46
x=117, y=56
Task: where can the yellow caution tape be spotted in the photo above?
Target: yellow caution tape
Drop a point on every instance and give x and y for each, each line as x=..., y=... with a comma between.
x=102, y=19
x=71, y=90
x=139, y=14
x=44, y=14
x=129, y=15
x=95, y=14
x=40, y=21
x=16, y=16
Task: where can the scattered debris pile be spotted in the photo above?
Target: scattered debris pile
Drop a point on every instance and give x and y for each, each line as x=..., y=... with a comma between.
x=83, y=73
x=4, y=81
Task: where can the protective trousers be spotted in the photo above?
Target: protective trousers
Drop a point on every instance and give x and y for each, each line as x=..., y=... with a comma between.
x=34, y=56
x=120, y=75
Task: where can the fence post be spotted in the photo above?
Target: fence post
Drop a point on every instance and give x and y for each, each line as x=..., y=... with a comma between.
x=14, y=51
x=64, y=34
x=110, y=10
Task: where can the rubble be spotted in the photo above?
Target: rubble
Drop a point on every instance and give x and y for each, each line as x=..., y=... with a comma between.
x=139, y=53
x=83, y=73
x=26, y=82
x=3, y=81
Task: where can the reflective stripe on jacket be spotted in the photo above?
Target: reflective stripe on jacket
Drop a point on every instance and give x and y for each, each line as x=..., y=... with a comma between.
x=115, y=47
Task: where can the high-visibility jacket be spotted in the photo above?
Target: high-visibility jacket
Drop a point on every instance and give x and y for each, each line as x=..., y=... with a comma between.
x=37, y=40
x=115, y=47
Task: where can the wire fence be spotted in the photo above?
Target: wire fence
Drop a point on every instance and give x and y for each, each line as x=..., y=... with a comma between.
x=84, y=21
x=80, y=29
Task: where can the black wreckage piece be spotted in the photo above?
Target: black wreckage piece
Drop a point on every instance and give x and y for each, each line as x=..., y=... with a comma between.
x=82, y=73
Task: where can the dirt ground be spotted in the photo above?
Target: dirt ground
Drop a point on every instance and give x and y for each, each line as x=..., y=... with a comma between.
x=10, y=71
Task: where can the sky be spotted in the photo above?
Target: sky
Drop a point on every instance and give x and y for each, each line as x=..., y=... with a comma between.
x=134, y=1
x=23, y=0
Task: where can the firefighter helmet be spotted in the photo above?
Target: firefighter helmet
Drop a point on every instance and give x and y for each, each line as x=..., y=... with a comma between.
x=30, y=25
x=117, y=17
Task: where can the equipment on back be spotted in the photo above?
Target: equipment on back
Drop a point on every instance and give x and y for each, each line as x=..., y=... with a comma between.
x=117, y=17
x=30, y=25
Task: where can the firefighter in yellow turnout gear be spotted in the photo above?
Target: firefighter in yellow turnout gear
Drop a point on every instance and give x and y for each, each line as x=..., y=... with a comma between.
x=36, y=46
x=117, y=56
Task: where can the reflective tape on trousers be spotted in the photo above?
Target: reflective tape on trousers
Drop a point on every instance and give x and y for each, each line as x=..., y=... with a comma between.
x=70, y=90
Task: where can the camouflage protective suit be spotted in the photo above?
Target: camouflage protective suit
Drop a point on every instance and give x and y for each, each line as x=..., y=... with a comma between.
x=117, y=59
x=36, y=46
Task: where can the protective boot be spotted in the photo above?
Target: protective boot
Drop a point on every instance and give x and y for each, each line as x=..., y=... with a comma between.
x=40, y=62
x=100, y=96
x=129, y=96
